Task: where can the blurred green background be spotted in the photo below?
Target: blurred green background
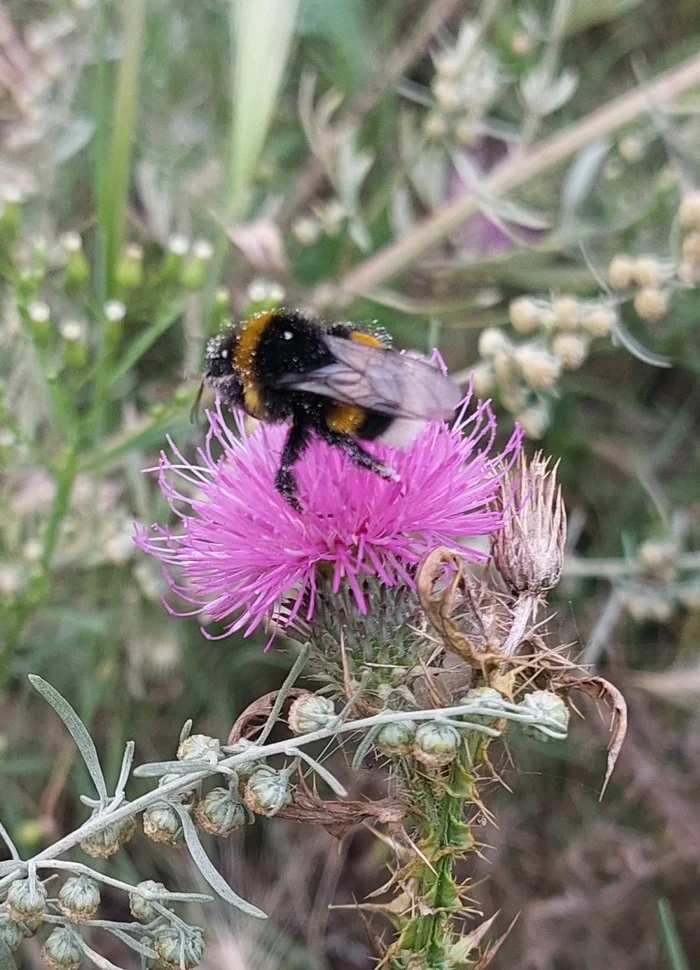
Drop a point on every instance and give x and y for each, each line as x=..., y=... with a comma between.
x=166, y=166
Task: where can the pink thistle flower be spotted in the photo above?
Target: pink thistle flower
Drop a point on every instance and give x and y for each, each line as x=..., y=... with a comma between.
x=242, y=550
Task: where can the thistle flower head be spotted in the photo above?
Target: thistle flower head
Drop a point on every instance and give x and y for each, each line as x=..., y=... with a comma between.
x=529, y=550
x=242, y=551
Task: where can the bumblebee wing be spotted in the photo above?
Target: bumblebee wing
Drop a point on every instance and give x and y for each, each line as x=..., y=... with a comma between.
x=381, y=380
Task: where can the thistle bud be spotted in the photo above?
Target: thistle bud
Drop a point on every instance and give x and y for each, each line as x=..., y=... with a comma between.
x=493, y=341
x=103, y=844
x=310, y=712
x=178, y=949
x=162, y=824
x=129, y=271
x=140, y=906
x=651, y=303
x=484, y=697
x=545, y=704
x=435, y=744
x=396, y=740
x=571, y=349
x=62, y=949
x=11, y=934
x=26, y=901
x=621, y=272
x=524, y=315
x=79, y=898
x=267, y=791
x=220, y=812
x=200, y=747
x=539, y=368
x=689, y=210
x=528, y=551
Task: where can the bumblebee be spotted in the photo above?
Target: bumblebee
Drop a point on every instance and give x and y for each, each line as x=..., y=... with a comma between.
x=336, y=381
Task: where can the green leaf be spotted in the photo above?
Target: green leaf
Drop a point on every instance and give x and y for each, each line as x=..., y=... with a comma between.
x=670, y=937
x=78, y=732
x=6, y=959
x=206, y=867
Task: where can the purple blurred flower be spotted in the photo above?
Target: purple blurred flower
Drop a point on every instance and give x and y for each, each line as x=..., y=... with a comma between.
x=242, y=550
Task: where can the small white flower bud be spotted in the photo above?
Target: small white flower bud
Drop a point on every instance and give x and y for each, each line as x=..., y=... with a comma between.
x=435, y=744
x=39, y=311
x=309, y=713
x=70, y=242
x=220, y=812
x=566, y=312
x=659, y=556
x=651, y=304
x=161, y=823
x=571, y=349
x=621, y=272
x=199, y=747
x=521, y=43
x=493, y=341
x=267, y=791
x=534, y=421
x=446, y=94
x=514, y=397
x=482, y=379
x=539, y=368
x=62, y=949
x=202, y=249
x=631, y=148
x=528, y=551
x=179, y=245
x=647, y=271
x=306, y=230
x=79, y=898
x=599, y=321
x=140, y=906
x=689, y=210
x=524, y=314
x=179, y=949
x=691, y=247
x=396, y=740
x=434, y=125
x=545, y=704
x=109, y=840
x=114, y=311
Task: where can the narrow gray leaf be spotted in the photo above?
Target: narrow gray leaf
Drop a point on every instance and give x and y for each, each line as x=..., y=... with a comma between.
x=102, y=962
x=77, y=729
x=210, y=873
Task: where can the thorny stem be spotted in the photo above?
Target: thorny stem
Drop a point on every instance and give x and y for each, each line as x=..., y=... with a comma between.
x=517, y=171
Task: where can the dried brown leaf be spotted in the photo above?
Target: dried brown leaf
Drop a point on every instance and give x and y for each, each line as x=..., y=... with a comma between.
x=259, y=710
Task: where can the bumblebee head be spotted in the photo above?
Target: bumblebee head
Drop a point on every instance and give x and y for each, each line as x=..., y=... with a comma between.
x=220, y=374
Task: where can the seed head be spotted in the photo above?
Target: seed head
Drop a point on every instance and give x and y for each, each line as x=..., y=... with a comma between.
x=647, y=271
x=691, y=247
x=26, y=901
x=435, y=744
x=571, y=349
x=199, y=747
x=689, y=210
x=493, y=341
x=11, y=933
x=486, y=697
x=621, y=272
x=539, y=368
x=79, y=898
x=651, y=303
x=267, y=791
x=482, y=378
x=599, y=322
x=109, y=840
x=161, y=823
x=178, y=949
x=528, y=551
x=396, y=740
x=545, y=703
x=310, y=713
x=220, y=812
x=566, y=312
x=524, y=315
x=62, y=951
x=140, y=906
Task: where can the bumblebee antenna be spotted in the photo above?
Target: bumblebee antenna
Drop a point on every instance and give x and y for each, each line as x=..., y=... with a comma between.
x=194, y=413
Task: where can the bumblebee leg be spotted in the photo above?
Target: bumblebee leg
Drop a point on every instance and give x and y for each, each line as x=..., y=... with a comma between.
x=294, y=446
x=358, y=455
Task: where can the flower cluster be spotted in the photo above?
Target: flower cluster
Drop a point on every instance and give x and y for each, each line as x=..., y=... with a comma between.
x=242, y=550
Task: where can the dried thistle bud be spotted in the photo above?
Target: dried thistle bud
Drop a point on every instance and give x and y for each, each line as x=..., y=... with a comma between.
x=544, y=703
x=267, y=791
x=140, y=906
x=220, y=812
x=396, y=740
x=200, y=747
x=11, y=933
x=528, y=551
x=62, y=949
x=599, y=321
x=26, y=901
x=79, y=898
x=539, y=368
x=103, y=844
x=310, y=713
x=178, y=949
x=524, y=314
x=161, y=823
x=689, y=210
x=485, y=697
x=621, y=272
x=435, y=744
x=651, y=303
x=571, y=349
